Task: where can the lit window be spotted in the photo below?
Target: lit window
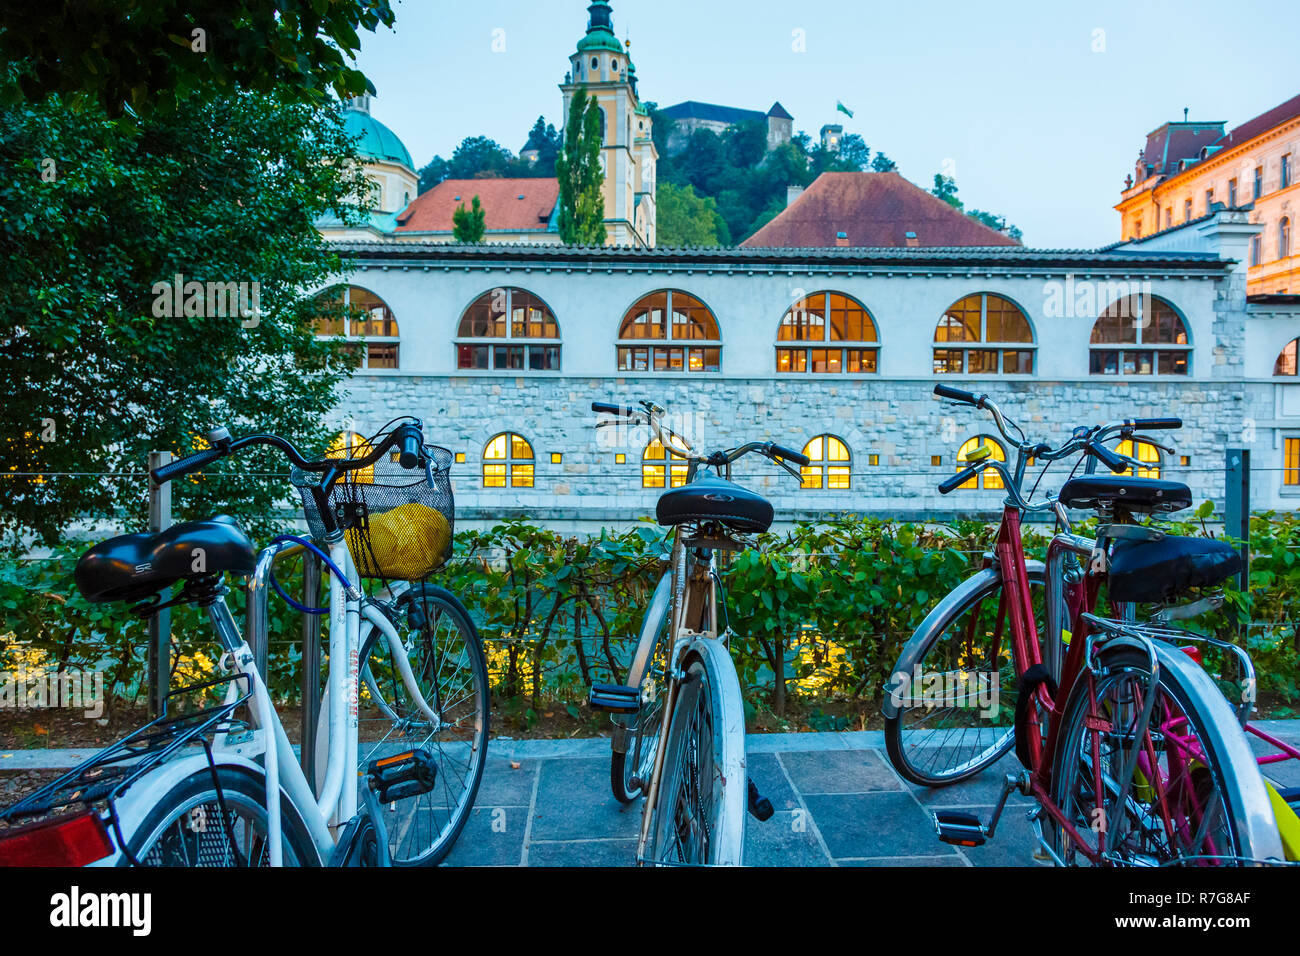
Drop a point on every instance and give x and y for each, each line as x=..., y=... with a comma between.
x=1185, y=460
x=839, y=329
x=508, y=462
x=1153, y=333
x=1148, y=455
x=1286, y=359
x=990, y=479
x=656, y=462
x=362, y=318
x=983, y=334
x=830, y=465
x=556, y=458
x=936, y=461
x=460, y=457
x=508, y=330
x=669, y=331
x=1291, y=462
x=351, y=445
x=873, y=460
x=620, y=459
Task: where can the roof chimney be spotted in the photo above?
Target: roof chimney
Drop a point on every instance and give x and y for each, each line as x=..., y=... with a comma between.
x=841, y=239
x=910, y=239
x=792, y=193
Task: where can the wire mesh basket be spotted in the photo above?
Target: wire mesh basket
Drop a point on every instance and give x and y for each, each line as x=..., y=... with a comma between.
x=398, y=522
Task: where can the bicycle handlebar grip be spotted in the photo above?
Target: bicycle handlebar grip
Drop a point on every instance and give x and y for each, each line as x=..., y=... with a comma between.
x=1112, y=460
x=956, y=394
x=186, y=465
x=790, y=455
x=1152, y=424
x=958, y=479
x=609, y=408
x=410, y=446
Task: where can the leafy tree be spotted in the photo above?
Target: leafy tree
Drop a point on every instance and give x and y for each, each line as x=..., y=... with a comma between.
x=745, y=144
x=582, y=203
x=434, y=172
x=138, y=56
x=703, y=160
x=945, y=187
x=880, y=163
x=477, y=155
x=685, y=218
x=996, y=222
x=469, y=225
x=99, y=362
x=854, y=154
x=544, y=138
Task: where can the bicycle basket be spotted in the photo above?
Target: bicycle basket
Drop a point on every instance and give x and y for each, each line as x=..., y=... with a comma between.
x=398, y=526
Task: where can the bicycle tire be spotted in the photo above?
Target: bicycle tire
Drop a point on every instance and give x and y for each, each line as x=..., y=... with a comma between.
x=433, y=602
x=708, y=705
x=647, y=672
x=164, y=838
x=1249, y=830
x=905, y=758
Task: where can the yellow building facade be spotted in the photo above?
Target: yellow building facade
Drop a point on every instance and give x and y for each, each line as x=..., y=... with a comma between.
x=1186, y=169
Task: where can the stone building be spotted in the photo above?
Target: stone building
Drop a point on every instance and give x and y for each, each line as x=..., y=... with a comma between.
x=1185, y=170
x=691, y=115
x=502, y=349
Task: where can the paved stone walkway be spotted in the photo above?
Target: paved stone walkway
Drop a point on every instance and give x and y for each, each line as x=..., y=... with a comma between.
x=838, y=802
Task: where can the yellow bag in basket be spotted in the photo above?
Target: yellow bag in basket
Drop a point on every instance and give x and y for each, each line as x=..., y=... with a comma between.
x=408, y=542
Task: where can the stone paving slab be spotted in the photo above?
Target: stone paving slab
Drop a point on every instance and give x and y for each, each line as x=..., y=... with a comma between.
x=838, y=803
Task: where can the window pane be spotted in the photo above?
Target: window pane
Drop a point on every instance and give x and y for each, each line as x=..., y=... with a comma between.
x=819, y=360
x=369, y=314
x=652, y=476
x=837, y=477
x=1104, y=362
x=521, y=476
x=961, y=322
x=646, y=320
x=1173, y=362
x=1005, y=323
x=508, y=357
x=982, y=361
x=669, y=360
x=806, y=321
x=849, y=321
x=860, y=360
x=1286, y=359
x=947, y=361
x=382, y=355
x=496, y=448
x=785, y=360
x=471, y=356
x=544, y=358
x=519, y=447
x=494, y=476
x=1291, y=463
x=633, y=359
x=530, y=318
x=691, y=319
x=812, y=476
x=1018, y=362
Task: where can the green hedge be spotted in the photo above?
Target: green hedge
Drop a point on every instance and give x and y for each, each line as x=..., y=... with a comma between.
x=821, y=611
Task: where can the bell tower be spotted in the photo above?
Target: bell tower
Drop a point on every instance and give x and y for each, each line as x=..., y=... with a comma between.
x=603, y=66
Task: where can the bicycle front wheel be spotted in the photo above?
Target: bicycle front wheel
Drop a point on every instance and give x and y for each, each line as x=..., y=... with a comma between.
x=441, y=647
x=1194, y=796
x=699, y=811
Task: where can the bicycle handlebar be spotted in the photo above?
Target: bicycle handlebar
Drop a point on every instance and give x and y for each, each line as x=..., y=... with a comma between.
x=408, y=436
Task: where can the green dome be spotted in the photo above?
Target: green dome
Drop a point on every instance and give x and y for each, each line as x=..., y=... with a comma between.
x=599, y=40
x=374, y=139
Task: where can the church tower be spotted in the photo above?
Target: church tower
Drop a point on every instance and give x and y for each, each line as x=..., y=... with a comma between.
x=603, y=66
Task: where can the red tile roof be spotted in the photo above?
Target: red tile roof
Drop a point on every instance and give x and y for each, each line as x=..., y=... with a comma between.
x=876, y=210
x=1262, y=123
x=513, y=205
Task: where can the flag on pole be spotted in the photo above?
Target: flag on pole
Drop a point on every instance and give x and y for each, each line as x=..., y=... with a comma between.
x=844, y=109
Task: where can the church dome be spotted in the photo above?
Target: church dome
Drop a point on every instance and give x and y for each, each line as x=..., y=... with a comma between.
x=374, y=139
x=600, y=29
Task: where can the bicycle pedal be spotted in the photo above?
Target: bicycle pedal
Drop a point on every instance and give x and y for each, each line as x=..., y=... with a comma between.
x=759, y=806
x=408, y=774
x=614, y=698
x=957, y=828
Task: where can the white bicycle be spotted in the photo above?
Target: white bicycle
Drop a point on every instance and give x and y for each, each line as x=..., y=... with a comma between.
x=403, y=727
x=679, y=722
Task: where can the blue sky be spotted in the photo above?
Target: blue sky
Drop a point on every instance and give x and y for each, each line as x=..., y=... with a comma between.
x=1010, y=96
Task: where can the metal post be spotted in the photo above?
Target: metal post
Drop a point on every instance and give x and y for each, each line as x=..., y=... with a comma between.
x=310, y=665
x=1236, y=509
x=159, y=663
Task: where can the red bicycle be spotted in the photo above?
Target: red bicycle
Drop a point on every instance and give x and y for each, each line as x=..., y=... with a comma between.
x=1133, y=754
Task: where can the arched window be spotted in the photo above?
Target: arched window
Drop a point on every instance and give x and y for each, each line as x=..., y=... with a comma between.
x=1286, y=359
x=508, y=462
x=669, y=331
x=1284, y=238
x=1145, y=454
x=830, y=464
x=508, y=330
x=352, y=445
x=989, y=480
x=839, y=332
x=1154, y=333
x=658, y=465
x=983, y=334
x=366, y=320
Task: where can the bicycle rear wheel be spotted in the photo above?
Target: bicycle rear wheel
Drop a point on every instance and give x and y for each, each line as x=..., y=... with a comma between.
x=954, y=716
x=699, y=812
x=186, y=827
x=442, y=647
x=1196, y=795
